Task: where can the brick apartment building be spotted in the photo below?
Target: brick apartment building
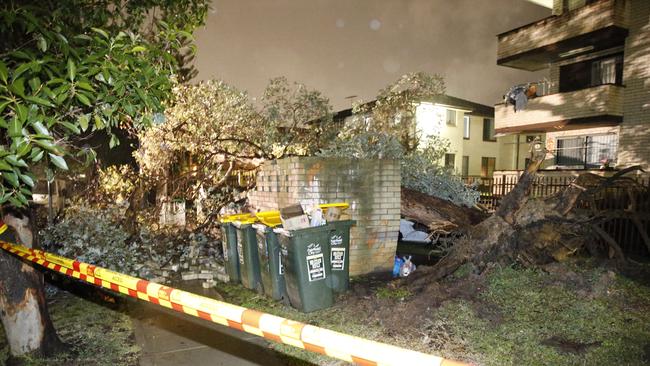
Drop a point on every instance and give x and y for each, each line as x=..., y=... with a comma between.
x=594, y=109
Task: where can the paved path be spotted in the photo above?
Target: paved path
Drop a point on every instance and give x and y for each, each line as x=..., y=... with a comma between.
x=168, y=338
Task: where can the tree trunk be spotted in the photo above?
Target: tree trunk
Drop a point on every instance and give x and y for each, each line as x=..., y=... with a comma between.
x=438, y=214
x=23, y=309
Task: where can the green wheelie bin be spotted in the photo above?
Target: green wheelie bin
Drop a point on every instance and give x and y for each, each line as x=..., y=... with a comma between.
x=306, y=260
x=249, y=265
x=229, y=246
x=339, y=240
x=271, y=269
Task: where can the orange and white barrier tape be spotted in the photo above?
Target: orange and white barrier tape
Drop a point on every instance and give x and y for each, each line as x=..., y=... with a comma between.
x=338, y=345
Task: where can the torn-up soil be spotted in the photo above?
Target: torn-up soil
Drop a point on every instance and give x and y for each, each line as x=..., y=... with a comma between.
x=576, y=313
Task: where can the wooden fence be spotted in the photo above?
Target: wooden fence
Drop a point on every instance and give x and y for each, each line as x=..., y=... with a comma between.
x=627, y=208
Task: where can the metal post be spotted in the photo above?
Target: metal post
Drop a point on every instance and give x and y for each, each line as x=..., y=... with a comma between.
x=517, y=154
x=50, y=210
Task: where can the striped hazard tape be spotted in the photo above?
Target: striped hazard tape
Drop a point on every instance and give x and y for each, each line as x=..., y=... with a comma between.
x=338, y=345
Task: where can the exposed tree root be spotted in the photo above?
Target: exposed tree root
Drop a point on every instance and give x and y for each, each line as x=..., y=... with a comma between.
x=535, y=232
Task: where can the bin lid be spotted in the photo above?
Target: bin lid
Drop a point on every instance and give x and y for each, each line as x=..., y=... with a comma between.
x=237, y=217
x=269, y=218
x=341, y=205
x=239, y=223
x=272, y=218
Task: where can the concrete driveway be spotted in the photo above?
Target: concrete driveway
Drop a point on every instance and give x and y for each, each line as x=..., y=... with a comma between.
x=169, y=338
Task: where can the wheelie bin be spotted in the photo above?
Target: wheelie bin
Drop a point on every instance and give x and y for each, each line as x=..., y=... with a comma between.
x=306, y=260
x=229, y=245
x=271, y=268
x=249, y=265
x=339, y=240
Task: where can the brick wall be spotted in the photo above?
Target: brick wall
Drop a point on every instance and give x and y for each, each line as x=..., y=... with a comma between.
x=371, y=187
x=634, y=138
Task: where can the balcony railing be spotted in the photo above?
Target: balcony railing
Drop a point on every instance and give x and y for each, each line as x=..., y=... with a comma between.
x=532, y=89
x=601, y=104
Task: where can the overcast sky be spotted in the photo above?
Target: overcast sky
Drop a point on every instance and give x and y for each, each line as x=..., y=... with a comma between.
x=356, y=47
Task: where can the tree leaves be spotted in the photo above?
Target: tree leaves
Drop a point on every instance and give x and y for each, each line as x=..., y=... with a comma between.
x=83, y=121
x=72, y=69
x=83, y=99
x=138, y=49
x=61, y=76
x=58, y=161
x=11, y=177
x=15, y=127
x=4, y=72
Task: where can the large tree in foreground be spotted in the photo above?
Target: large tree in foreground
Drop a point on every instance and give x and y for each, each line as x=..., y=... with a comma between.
x=68, y=69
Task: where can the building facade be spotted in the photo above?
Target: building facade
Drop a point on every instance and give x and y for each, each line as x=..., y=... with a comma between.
x=469, y=127
x=594, y=109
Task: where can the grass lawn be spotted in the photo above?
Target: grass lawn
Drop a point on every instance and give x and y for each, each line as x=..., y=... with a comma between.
x=569, y=314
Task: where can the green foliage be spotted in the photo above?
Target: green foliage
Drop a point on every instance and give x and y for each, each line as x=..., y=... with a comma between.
x=73, y=67
x=95, y=235
x=421, y=171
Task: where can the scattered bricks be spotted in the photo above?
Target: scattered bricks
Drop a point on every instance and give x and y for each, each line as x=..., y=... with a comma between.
x=158, y=279
x=205, y=276
x=190, y=276
x=223, y=277
x=209, y=283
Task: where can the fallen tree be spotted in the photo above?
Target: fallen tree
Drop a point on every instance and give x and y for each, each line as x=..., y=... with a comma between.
x=439, y=215
x=537, y=231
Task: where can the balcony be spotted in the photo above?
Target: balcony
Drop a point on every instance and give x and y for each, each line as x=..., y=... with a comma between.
x=591, y=28
x=592, y=107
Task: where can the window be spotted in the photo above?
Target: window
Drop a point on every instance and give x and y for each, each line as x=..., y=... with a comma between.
x=587, y=151
x=450, y=160
x=465, y=166
x=487, y=166
x=451, y=117
x=569, y=5
x=488, y=129
x=601, y=71
x=466, y=124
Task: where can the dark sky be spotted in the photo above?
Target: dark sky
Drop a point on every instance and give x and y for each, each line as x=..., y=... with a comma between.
x=356, y=47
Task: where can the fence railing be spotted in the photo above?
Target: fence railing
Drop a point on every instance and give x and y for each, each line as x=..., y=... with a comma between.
x=627, y=208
